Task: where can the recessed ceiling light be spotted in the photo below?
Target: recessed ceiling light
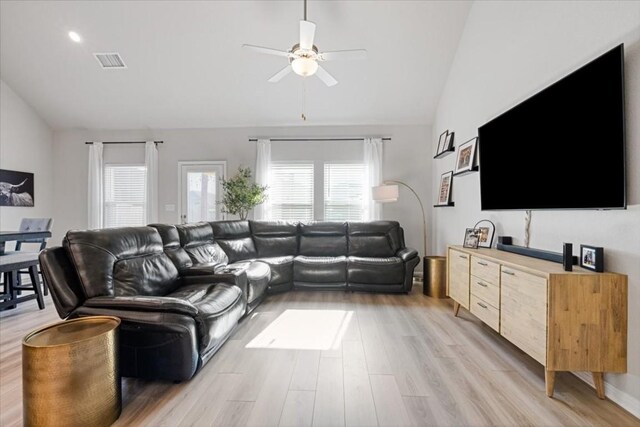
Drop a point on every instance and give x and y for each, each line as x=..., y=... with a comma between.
x=75, y=36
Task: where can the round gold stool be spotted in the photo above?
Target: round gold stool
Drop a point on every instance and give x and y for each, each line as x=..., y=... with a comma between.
x=70, y=373
x=435, y=282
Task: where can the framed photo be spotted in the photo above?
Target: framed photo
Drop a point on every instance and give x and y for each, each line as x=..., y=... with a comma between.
x=441, y=142
x=466, y=155
x=471, y=238
x=592, y=258
x=448, y=142
x=444, y=195
x=16, y=188
x=486, y=230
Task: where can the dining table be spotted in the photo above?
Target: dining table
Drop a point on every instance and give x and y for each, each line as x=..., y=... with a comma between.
x=12, y=236
x=14, y=261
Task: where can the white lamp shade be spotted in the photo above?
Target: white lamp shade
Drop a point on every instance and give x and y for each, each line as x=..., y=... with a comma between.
x=385, y=193
x=304, y=66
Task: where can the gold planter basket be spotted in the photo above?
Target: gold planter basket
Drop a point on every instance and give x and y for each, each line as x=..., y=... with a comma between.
x=70, y=373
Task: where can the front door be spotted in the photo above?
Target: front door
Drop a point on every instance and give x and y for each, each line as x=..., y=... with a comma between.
x=201, y=190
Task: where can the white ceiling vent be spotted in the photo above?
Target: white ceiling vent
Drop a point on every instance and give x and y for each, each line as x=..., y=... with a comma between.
x=110, y=61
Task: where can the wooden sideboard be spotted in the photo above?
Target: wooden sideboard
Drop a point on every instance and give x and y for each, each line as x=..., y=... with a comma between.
x=566, y=320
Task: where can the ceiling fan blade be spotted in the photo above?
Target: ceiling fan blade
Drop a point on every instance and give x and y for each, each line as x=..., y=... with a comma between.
x=343, y=54
x=327, y=78
x=280, y=74
x=266, y=50
x=307, y=34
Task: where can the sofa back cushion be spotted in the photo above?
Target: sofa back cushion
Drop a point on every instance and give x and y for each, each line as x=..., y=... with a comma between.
x=197, y=241
x=374, y=239
x=234, y=237
x=275, y=238
x=171, y=242
x=323, y=239
x=121, y=262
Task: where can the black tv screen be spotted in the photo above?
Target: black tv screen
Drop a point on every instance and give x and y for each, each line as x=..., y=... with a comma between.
x=563, y=148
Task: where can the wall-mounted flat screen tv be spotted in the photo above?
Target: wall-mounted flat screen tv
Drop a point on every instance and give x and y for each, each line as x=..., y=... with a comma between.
x=563, y=148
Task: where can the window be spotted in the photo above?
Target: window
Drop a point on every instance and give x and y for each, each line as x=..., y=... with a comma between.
x=291, y=191
x=124, y=195
x=343, y=191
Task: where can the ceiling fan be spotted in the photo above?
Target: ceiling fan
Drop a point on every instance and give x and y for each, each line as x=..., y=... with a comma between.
x=304, y=56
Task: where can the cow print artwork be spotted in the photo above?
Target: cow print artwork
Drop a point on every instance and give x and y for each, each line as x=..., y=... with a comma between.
x=16, y=188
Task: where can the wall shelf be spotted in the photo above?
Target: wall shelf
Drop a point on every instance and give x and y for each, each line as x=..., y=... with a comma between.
x=445, y=206
x=475, y=169
x=445, y=153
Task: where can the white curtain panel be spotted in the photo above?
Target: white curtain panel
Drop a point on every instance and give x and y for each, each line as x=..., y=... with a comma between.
x=96, y=187
x=263, y=170
x=151, y=183
x=372, y=177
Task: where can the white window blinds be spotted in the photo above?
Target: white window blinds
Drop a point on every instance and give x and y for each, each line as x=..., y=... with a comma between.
x=124, y=195
x=291, y=191
x=343, y=191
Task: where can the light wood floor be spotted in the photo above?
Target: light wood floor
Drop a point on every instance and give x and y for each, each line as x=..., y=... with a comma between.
x=402, y=360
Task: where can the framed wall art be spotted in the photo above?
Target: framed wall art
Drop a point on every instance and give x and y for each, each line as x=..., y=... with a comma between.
x=444, y=193
x=16, y=188
x=465, y=161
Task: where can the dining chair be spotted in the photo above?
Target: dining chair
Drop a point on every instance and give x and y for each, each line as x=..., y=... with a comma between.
x=34, y=224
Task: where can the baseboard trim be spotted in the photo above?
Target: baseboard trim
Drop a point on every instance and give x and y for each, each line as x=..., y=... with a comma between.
x=623, y=399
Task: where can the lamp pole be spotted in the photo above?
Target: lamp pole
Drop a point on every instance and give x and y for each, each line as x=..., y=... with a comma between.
x=424, y=218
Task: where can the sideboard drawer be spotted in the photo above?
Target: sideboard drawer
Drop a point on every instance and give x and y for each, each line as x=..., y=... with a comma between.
x=485, y=270
x=485, y=312
x=486, y=291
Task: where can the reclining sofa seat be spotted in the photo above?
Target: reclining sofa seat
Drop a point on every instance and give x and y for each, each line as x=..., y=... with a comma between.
x=199, y=258
x=169, y=329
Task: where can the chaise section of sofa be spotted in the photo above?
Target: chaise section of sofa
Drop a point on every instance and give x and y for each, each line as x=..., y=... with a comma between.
x=169, y=330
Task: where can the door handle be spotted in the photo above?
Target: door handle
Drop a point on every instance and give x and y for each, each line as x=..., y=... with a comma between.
x=484, y=264
x=510, y=273
x=482, y=284
x=482, y=305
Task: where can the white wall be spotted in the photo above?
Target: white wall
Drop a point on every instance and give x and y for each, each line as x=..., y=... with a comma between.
x=509, y=51
x=405, y=157
x=26, y=145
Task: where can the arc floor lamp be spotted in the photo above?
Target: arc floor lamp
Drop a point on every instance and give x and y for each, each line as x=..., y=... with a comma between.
x=389, y=192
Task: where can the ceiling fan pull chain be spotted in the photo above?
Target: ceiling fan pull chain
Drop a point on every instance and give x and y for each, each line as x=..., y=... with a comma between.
x=304, y=91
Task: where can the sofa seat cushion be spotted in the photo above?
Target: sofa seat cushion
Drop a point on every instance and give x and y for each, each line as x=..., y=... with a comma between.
x=258, y=275
x=369, y=270
x=219, y=310
x=281, y=269
x=331, y=271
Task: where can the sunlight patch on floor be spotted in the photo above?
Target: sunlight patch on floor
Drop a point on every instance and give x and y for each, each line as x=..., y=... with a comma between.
x=304, y=330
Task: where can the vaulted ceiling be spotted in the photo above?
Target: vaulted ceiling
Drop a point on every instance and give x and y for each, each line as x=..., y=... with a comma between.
x=186, y=68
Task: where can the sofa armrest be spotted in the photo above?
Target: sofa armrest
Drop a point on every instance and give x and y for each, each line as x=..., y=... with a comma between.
x=406, y=254
x=144, y=303
x=201, y=270
x=237, y=278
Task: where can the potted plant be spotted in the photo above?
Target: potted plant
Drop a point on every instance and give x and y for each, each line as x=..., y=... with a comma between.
x=241, y=194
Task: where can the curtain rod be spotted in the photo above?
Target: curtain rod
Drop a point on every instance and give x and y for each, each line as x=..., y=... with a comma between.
x=315, y=139
x=124, y=142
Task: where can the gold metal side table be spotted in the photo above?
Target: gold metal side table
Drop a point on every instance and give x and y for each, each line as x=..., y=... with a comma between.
x=70, y=373
x=434, y=277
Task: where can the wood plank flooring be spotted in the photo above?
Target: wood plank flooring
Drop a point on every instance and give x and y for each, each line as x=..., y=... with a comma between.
x=400, y=360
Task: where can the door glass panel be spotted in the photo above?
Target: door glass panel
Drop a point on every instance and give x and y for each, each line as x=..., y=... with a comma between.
x=201, y=203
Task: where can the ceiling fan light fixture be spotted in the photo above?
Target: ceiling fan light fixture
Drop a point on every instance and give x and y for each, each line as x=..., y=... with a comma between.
x=304, y=66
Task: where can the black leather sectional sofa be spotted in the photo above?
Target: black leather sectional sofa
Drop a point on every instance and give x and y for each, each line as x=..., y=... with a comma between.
x=181, y=290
